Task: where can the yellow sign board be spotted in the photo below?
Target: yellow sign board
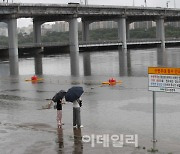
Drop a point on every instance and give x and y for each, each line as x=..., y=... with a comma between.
x=164, y=79
x=164, y=70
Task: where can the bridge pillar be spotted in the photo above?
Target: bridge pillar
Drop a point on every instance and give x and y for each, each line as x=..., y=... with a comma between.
x=37, y=39
x=38, y=62
x=123, y=62
x=74, y=48
x=162, y=57
x=86, y=55
x=122, y=31
x=127, y=30
x=37, y=31
x=13, y=46
x=85, y=30
x=160, y=32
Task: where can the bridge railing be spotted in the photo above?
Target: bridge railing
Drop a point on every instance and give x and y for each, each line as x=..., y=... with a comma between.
x=91, y=43
x=44, y=44
x=117, y=41
x=173, y=39
x=99, y=42
x=143, y=40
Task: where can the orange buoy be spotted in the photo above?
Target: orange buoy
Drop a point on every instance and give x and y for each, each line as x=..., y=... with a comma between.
x=34, y=78
x=112, y=81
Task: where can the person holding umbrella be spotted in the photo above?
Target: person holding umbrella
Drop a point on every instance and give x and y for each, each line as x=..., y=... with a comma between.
x=58, y=98
x=73, y=95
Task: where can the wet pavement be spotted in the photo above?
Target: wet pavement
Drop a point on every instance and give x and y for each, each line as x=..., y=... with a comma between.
x=108, y=113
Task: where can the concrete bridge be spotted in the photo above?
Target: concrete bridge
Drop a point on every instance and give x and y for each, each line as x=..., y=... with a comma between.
x=41, y=13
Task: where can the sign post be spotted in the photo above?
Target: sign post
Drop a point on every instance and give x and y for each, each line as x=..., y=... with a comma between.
x=154, y=121
x=162, y=79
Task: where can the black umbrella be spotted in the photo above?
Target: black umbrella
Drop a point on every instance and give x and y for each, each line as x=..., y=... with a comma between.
x=74, y=93
x=59, y=95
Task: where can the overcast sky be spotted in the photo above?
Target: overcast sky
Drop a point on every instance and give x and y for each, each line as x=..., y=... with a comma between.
x=149, y=3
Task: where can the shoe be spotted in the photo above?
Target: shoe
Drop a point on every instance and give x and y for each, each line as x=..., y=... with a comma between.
x=80, y=126
x=75, y=126
x=59, y=126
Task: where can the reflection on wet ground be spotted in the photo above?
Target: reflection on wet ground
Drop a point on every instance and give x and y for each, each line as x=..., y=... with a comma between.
x=78, y=144
x=121, y=109
x=162, y=108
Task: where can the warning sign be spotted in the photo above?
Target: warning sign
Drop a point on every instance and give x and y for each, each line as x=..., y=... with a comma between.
x=164, y=79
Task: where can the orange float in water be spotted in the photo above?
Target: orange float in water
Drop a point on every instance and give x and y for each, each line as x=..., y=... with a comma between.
x=112, y=81
x=34, y=78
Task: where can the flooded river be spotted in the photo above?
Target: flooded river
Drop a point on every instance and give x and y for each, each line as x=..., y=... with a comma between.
x=116, y=119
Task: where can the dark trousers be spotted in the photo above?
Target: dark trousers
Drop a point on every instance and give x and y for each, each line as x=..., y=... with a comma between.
x=76, y=116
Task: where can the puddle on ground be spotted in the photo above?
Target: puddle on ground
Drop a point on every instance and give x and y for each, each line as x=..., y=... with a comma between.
x=11, y=97
x=18, y=98
x=3, y=131
x=37, y=127
x=37, y=147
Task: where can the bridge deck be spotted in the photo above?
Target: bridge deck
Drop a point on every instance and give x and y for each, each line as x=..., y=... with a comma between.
x=56, y=12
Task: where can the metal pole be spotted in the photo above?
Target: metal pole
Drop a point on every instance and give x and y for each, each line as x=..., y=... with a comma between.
x=154, y=121
x=86, y=2
x=146, y=21
x=145, y=3
x=167, y=4
x=174, y=3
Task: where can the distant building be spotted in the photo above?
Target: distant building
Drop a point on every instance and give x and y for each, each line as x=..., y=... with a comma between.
x=46, y=28
x=26, y=30
x=3, y=29
x=103, y=25
x=3, y=25
x=173, y=24
x=144, y=24
x=60, y=26
x=4, y=32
